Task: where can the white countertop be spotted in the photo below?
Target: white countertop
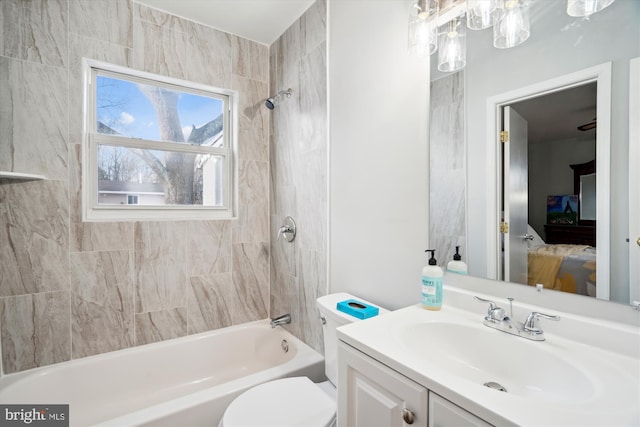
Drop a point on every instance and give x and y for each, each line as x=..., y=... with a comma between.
x=612, y=398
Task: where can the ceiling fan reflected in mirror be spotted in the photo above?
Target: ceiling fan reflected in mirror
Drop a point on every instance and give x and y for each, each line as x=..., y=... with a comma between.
x=588, y=126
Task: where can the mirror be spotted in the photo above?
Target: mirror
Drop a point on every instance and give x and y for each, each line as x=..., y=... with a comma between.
x=559, y=45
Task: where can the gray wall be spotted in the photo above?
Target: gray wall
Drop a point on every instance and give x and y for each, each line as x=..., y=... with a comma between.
x=298, y=179
x=550, y=174
x=70, y=289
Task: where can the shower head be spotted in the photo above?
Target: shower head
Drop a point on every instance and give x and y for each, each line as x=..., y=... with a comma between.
x=271, y=102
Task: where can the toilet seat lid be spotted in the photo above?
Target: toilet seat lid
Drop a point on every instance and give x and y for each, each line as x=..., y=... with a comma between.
x=287, y=402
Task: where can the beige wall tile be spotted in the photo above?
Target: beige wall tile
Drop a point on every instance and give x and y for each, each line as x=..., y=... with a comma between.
x=259, y=55
x=35, y=30
x=160, y=265
x=211, y=301
x=251, y=278
x=253, y=205
x=107, y=20
x=241, y=56
x=253, y=138
x=101, y=302
x=34, y=237
x=208, y=247
x=161, y=325
x=159, y=50
x=209, y=60
x=33, y=118
x=157, y=17
x=35, y=330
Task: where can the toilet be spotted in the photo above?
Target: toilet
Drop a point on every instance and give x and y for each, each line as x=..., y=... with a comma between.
x=297, y=401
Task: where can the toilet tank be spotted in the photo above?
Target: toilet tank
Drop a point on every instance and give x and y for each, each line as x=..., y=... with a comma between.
x=332, y=318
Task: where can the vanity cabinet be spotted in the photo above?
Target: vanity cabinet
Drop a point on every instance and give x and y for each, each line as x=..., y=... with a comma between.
x=371, y=394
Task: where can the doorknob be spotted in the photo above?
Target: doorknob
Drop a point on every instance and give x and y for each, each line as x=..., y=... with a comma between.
x=530, y=237
x=638, y=241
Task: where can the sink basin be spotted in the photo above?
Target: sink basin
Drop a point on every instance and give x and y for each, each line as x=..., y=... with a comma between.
x=485, y=356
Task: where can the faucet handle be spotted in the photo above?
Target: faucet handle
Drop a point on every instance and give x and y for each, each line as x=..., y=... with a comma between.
x=531, y=324
x=492, y=305
x=494, y=313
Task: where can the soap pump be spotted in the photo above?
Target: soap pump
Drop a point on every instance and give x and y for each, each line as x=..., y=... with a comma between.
x=432, y=284
x=457, y=265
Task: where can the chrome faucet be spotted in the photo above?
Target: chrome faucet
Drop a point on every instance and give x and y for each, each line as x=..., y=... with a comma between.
x=285, y=319
x=496, y=318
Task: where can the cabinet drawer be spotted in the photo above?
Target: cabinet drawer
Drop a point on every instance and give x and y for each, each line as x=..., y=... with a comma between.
x=443, y=413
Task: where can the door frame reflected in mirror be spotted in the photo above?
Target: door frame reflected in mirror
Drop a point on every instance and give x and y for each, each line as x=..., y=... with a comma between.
x=601, y=74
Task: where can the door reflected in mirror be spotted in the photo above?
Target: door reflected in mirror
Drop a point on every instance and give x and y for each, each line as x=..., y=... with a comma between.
x=544, y=157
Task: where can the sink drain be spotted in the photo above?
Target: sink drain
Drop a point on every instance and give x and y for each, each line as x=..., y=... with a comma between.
x=495, y=386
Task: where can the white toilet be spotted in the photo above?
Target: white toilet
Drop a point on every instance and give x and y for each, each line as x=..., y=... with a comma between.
x=298, y=401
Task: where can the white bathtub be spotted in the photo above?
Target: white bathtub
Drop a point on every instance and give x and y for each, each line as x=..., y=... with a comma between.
x=182, y=382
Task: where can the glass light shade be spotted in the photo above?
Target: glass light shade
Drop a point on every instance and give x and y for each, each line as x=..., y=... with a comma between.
x=452, y=46
x=481, y=14
x=423, y=32
x=512, y=27
x=586, y=7
x=427, y=8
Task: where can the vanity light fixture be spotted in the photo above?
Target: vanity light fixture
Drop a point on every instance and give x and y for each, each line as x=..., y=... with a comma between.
x=423, y=29
x=585, y=8
x=481, y=14
x=512, y=27
x=452, y=46
x=436, y=25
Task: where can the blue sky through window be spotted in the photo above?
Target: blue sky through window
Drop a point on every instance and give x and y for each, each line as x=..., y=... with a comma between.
x=125, y=109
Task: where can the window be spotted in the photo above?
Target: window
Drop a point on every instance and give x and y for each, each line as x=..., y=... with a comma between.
x=156, y=148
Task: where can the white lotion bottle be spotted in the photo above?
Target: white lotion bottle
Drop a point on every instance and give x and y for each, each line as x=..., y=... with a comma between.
x=457, y=265
x=432, y=284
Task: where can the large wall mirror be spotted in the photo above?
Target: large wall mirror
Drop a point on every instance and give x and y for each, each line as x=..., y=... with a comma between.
x=571, y=73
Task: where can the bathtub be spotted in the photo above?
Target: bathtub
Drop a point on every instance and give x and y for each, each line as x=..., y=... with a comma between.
x=187, y=381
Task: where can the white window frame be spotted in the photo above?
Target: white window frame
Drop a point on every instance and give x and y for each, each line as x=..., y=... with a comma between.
x=92, y=211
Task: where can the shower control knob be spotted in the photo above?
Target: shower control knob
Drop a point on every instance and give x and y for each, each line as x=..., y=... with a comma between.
x=408, y=416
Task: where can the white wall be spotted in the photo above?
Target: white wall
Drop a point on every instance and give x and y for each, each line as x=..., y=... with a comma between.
x=378, y=118
x=558, y=45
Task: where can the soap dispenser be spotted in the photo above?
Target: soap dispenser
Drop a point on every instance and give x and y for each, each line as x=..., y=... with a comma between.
x=432, y=284
x=457, y=265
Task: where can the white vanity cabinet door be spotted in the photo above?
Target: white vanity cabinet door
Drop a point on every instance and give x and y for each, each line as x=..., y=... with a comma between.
x=371, y=394
x=443, y=413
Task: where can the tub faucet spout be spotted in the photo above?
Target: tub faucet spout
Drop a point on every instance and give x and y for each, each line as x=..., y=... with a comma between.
x=285, y=319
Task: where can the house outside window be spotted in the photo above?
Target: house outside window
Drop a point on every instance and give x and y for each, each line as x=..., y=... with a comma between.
x=156, y=147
